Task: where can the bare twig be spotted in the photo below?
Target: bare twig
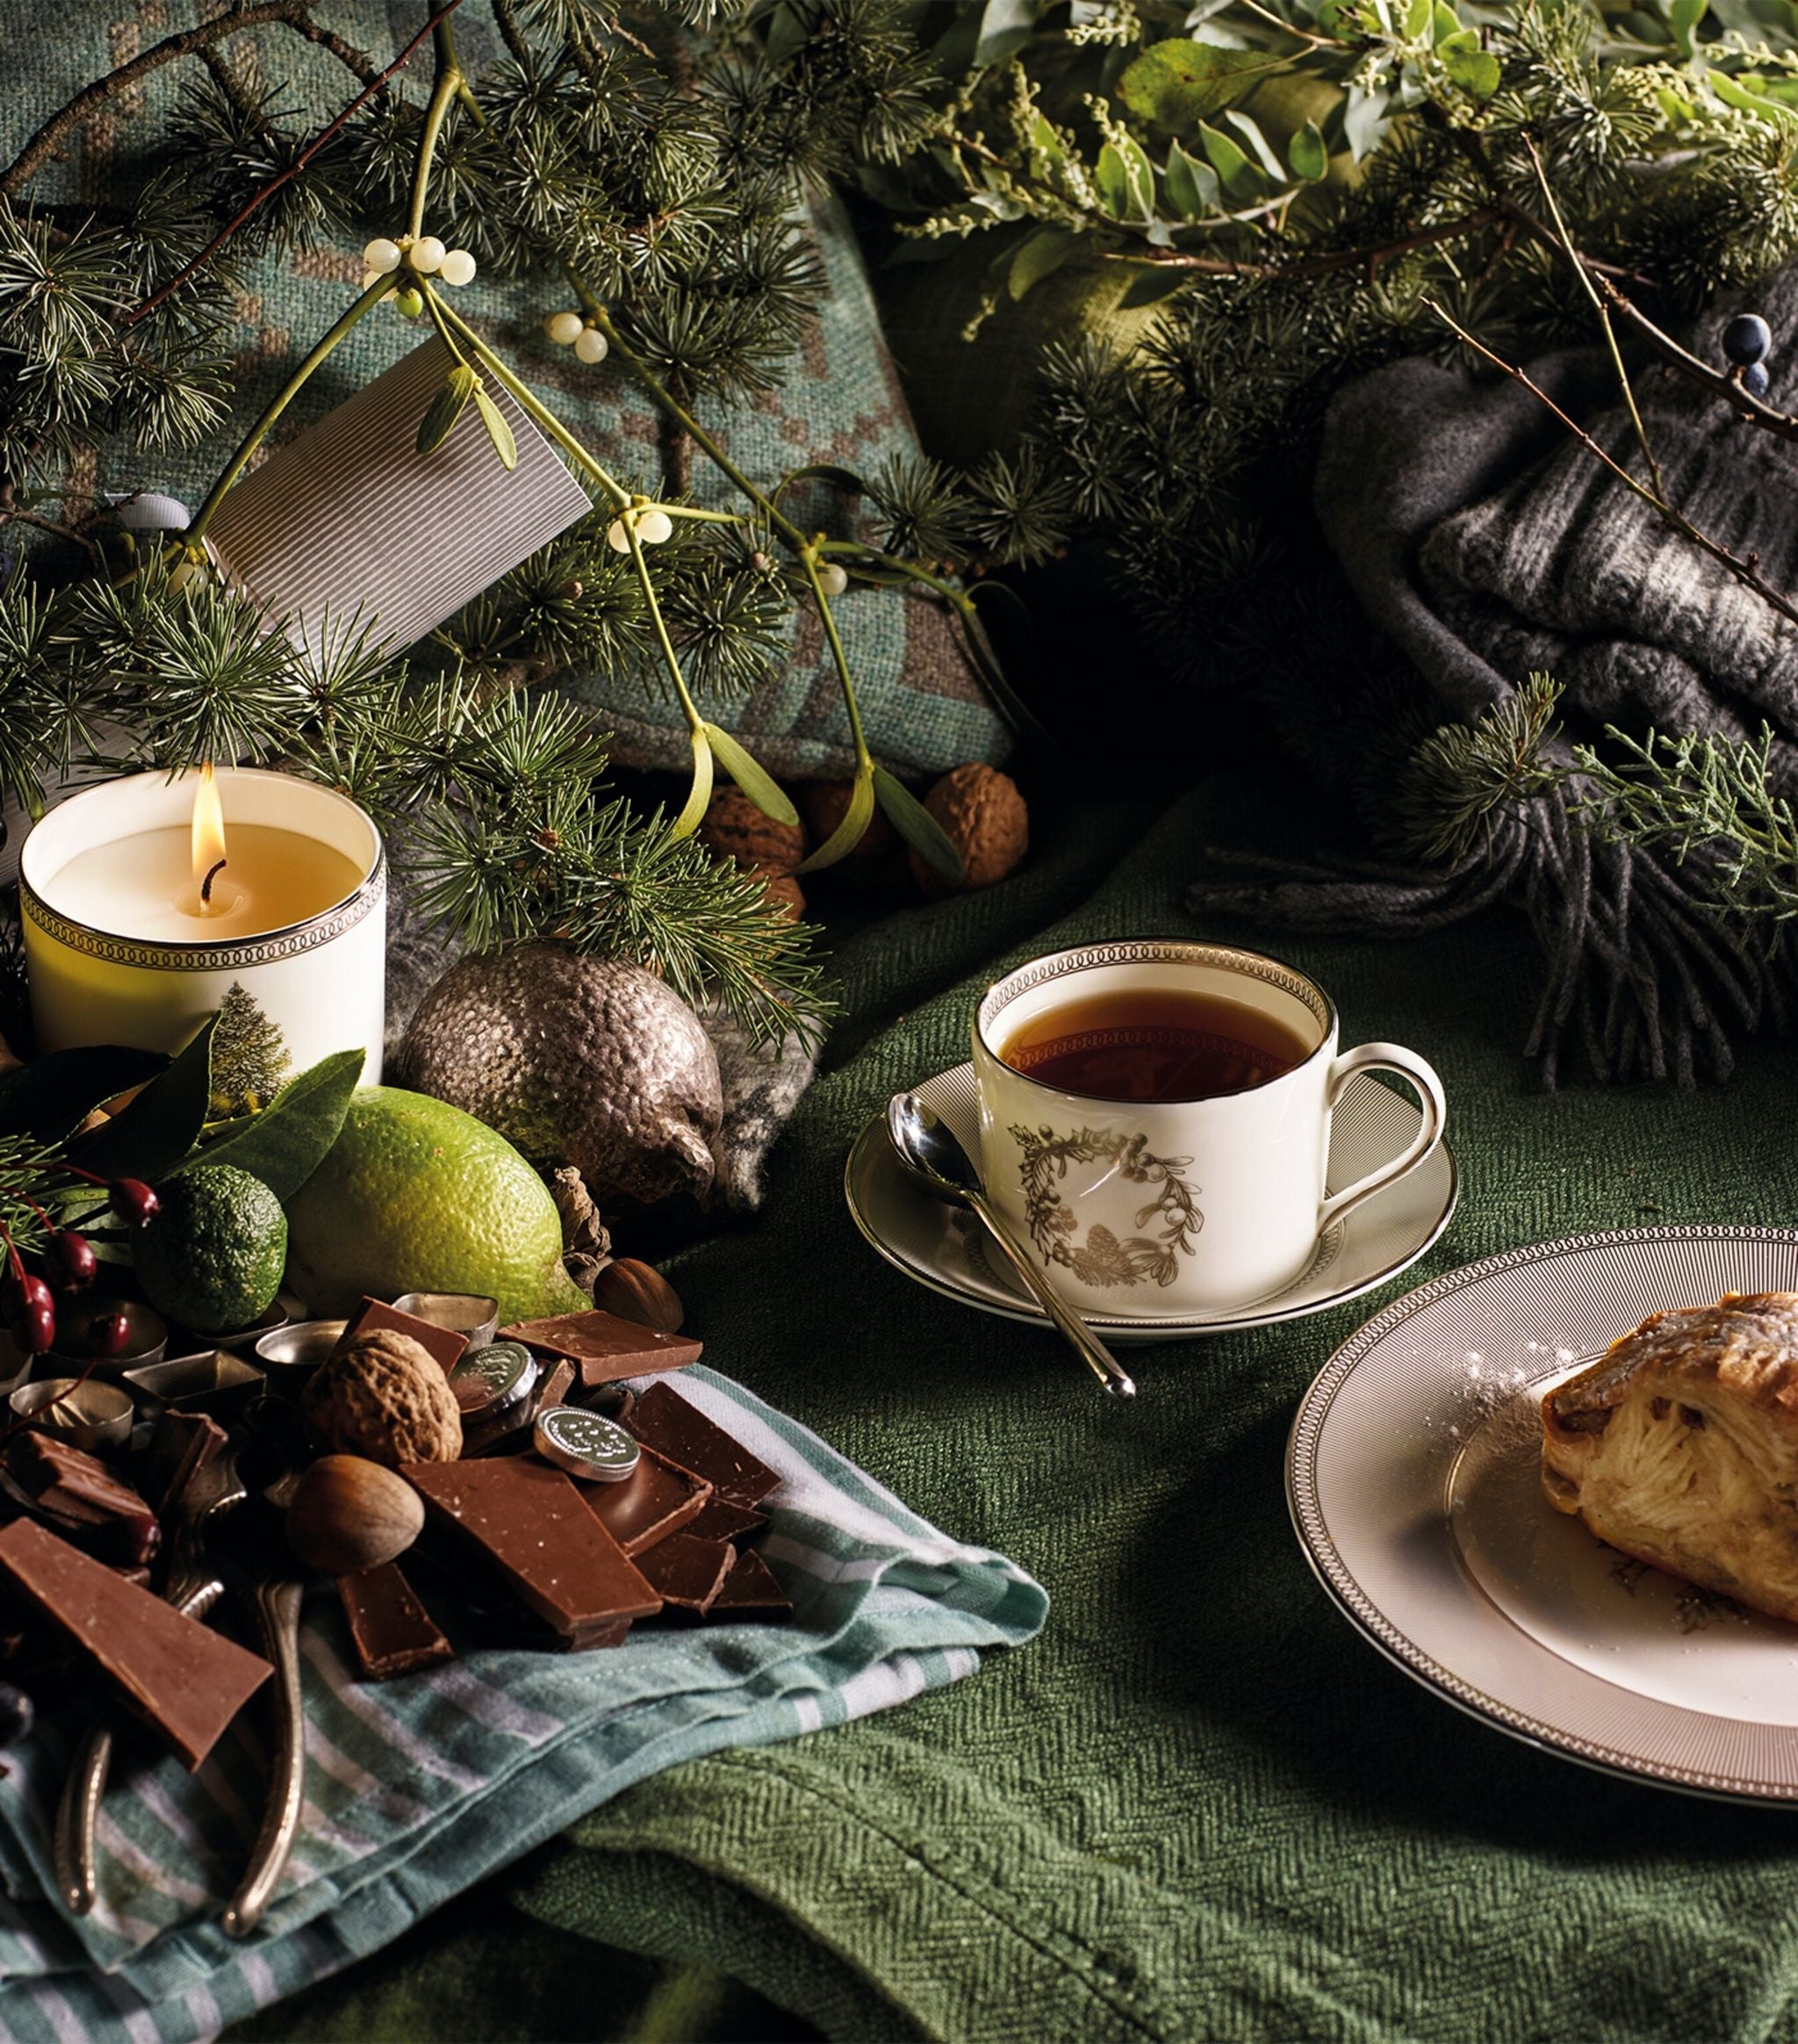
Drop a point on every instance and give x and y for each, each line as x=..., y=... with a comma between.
x=1320, y=265
x=1744, y=572
x=264, y=193
x=357, y=62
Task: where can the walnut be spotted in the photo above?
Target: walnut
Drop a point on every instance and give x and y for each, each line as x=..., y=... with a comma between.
x=878, y=861
x=735, y=828
x=986, y=822
x=384, y=1397
x=781, y=891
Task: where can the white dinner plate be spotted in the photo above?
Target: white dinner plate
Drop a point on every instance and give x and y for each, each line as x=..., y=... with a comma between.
x=945, y=1249
x=1412, y=1474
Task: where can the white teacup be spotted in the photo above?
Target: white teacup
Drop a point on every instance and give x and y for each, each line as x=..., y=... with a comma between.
x=1185, y=1205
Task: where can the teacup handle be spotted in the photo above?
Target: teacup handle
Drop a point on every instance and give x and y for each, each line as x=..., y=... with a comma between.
x=1386, y=1057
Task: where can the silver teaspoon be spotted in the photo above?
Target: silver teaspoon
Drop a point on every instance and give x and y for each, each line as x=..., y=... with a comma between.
x=931, y=1153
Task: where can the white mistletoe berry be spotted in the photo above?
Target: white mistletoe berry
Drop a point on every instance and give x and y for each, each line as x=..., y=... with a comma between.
x=426, y=254
x=591, y=345
x=832, y=580
x=654, y=527
x=381, y=256
x=616, y=538
x=456, y=268
x=564, y=329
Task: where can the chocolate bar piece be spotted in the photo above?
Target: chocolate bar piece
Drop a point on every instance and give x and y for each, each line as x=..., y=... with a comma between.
x=687, y=1573
x=181, y=1446
x=392, y=1632
x=73, y=1487
x=531, y=1521
x=604, y=1346
x=444, y=1344
x=679, y=1431
x=181, y=1677
x=654, y=1500
x=724, y=1521
x=751, y=1590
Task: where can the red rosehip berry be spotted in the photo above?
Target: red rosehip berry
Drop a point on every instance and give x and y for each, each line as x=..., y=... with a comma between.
x=133, y=1202
x=73, y=1261
x=109, y=1334
x=34, y=1293
x=39, y=1326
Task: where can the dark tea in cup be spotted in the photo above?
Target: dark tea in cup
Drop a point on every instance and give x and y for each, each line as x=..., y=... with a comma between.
x=1153, y=1043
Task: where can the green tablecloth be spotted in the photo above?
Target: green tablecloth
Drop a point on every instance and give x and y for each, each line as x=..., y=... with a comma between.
x=1199, y=1806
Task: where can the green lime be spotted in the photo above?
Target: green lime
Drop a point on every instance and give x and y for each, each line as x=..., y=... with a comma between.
x=416, y=1196
x=211, y=1256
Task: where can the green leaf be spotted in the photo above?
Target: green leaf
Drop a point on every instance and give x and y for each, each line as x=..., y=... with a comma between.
x=1418, y=17
x=161, y=1125
x=49, y=1098
x=1685, y=16
x=1240, y=177
x=1178, y=83
x=285, y=1143
x=1444, y=22
x=1308, y=153
x=1193, y=189
x=1038, y=254
x=1046, y=145
x=498, y=431
x=1154, y=282
x=917, y=825
x=750, y=775
x=451, y=400
x=1476, y=71
x=1005, y=25
x=700, y=794
x=848, y=834
x=1126, y=180
x=1733, y=94
x=1260, y=152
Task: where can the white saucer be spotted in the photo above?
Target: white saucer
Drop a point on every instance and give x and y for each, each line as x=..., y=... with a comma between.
x=943, y=1247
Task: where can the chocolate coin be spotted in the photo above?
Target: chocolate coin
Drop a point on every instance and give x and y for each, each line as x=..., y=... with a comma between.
x=587, y=1444
x=492, y=1380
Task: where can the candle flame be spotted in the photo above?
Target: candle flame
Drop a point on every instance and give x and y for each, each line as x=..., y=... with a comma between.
x=208, y=828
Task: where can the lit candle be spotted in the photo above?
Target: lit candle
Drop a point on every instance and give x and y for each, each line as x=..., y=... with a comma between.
x=145, y=899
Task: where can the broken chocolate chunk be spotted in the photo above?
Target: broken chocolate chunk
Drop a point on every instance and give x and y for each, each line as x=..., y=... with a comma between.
x=604, y=1346
x=655, y=1500
x=392, y=1632
x=751, y=1590
x=724, y=1521
x=444, y=1345
x=533, y=1523
x=687, y=1573
x=181, y=1445
x=74, y=1489
x=182, y=1678
x=678, y=1431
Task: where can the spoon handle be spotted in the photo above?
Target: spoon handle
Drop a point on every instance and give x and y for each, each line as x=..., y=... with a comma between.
x=1085, y=1344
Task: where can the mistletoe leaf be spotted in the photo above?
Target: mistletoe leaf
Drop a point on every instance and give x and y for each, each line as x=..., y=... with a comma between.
x=749, y=776
x=1177, y=84
x=448, y=405
x=700, y=794
x=917, y=825
x=161, y=1125
x=49, y=1098
x=498, y=431
x=848, y=834
x=285, y=1143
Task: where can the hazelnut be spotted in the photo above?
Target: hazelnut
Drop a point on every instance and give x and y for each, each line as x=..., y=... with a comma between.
x=735, y=828
x=985, y=821
x=638, y=1291
x=348, y=1514
x=384, y=1397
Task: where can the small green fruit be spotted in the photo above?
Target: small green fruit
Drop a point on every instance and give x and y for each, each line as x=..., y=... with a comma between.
x=210, y=1255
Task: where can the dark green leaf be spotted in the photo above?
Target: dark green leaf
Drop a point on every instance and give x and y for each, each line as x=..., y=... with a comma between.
x=49, y=1098
x=750, y=775
x=161, y=1125
x=1126, y=180
x=439, y=421
x=1154, y=282
x=1038, y=254
x=1308, y=153
x=917, y=825
x=1177, y=84
x=285, y=1143
x=1241, y=178
x=498, y=431
x=1193, y=189
x=1476, y=71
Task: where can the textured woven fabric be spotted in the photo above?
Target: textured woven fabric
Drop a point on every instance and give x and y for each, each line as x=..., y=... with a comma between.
x=416, y=1788
x=1199, y=1806
x=922, y=704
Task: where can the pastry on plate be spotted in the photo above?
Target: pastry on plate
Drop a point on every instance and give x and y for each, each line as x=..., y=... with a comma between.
x=1680, y=1445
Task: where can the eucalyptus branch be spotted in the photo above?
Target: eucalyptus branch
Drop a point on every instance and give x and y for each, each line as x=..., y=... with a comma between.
x=1322, y=264
x=1742, y=570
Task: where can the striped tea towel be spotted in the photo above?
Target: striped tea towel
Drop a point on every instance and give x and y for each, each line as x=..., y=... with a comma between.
x=416, y=1788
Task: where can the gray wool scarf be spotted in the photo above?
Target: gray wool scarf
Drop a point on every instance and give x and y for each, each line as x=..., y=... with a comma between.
x=1486, y=542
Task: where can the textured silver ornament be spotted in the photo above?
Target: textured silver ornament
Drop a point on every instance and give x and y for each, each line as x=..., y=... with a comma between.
x=586, y=1062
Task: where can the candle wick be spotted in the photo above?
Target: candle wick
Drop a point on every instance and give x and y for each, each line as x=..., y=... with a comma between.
x=206, y=884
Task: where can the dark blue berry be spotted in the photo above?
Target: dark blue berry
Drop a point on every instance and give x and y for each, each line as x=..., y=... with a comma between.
x=16, y=1714
x=1746, y=339
x=1755, y=380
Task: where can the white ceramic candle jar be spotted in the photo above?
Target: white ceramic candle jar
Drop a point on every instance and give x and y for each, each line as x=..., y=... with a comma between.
x=121, y=948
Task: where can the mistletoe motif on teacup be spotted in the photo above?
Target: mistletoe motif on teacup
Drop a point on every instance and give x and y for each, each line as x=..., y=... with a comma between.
x=1103, y=1258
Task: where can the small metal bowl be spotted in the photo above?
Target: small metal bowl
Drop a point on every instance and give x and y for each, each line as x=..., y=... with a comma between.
x=290, y=1353
x=93, y=1416
x=461, y=1312
x=216, y=1382
x=240, y=1341
x=147, y=1340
